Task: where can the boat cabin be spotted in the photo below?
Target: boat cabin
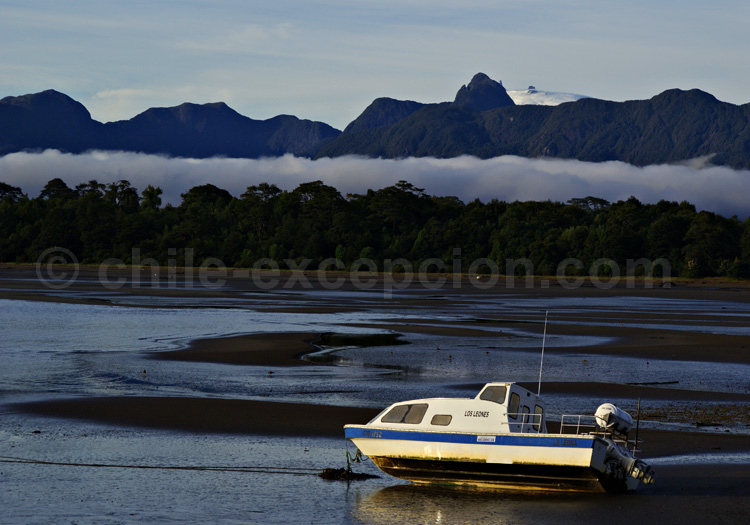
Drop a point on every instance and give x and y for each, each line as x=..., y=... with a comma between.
x=498, y=408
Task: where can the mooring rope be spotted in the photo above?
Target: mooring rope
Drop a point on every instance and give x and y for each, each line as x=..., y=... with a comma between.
x=294, y=471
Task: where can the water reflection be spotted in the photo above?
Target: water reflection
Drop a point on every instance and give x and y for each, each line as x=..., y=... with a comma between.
x=454, y=504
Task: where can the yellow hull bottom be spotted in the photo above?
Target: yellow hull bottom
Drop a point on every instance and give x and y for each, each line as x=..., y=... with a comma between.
x=509, y=477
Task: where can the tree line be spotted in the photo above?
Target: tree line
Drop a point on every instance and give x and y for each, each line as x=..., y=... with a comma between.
x=314, y=221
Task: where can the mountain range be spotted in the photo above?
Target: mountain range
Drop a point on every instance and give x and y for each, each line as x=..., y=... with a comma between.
x=483, y=121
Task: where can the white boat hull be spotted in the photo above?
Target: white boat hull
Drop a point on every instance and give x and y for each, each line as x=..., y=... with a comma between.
x=500, y=438
x=517, y=461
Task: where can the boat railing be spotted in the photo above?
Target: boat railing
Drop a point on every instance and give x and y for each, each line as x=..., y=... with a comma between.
x=585, y=424
x=528, y=422
x=577, y=424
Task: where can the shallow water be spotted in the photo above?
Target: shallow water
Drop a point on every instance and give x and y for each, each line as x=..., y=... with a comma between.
x=53, y=350
x=718, y=458
x=161, y=477
x=156, y=476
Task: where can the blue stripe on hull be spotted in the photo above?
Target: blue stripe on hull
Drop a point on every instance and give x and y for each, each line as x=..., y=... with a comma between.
x=514, y=440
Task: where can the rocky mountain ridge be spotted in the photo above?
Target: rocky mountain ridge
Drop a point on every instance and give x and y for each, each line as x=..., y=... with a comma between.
x=482, y=121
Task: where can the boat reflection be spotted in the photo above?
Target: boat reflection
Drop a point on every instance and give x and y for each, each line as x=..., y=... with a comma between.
x=415, y=503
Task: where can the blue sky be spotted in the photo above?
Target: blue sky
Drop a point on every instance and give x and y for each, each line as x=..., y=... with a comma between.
x=327, y=60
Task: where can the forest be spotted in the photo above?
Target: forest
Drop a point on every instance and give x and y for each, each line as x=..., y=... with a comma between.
x=97, y=222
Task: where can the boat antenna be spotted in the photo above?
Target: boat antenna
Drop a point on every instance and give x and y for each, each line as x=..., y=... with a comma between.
x=541, y=364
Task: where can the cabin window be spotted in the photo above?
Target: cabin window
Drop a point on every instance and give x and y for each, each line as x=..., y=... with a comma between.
x=396, y=415
x=411, y=414
x=415, y=414
x=526, y=412
x=495, y=394
x=442, y=420
x=538, y=415
x=515, y=400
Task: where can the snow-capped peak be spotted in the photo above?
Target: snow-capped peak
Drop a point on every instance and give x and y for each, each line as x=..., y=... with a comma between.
x=533, y=96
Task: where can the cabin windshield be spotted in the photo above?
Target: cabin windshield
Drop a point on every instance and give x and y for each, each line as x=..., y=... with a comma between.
x=411, y=414
x=495, y=394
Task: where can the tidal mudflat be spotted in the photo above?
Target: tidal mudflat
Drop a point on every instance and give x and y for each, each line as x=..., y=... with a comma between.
x=184, y=402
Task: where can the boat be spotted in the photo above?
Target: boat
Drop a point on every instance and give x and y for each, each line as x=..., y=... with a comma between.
x=499, y=439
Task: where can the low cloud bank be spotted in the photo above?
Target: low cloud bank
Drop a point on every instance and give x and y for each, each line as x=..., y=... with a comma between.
x=718, y=189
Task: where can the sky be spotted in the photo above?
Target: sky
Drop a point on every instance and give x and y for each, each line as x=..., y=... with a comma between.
x=327, y=60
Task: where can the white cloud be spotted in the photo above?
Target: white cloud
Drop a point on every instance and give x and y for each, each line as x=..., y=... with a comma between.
x=508, y=178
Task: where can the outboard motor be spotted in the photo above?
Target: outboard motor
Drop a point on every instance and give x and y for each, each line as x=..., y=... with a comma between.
x=610, y=418
x=619, y=463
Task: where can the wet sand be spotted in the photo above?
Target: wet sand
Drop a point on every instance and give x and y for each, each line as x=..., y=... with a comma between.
x=678, y=493
x=281, y=349
x=273, y=418
x=285, y=349
x=208, y=415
